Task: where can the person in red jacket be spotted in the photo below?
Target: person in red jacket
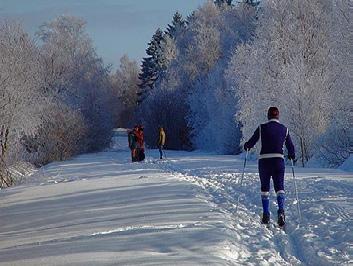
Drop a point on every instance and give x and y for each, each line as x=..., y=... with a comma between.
x=140, y=143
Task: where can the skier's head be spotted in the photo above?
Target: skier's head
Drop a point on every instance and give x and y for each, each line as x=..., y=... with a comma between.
x=273, y=113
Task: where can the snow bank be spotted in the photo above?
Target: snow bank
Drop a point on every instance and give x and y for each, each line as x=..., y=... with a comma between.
x=348, y=164
x=21, y=171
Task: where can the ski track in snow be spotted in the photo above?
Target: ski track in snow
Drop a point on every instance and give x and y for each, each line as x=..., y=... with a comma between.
x=323, y=236
x=100, y=209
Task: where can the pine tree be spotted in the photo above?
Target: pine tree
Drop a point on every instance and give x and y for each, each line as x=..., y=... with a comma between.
x=222, y=2
x=177, y=26
x=151, y=65
x=253, y=3
x=147, y=77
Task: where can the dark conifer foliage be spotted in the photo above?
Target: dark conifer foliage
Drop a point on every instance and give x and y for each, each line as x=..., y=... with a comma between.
x=221, y=2
x=177, y=26
x=151, y=65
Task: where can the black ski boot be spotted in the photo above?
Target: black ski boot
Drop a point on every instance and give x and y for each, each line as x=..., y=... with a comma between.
x=281, y=218
x=265, y=218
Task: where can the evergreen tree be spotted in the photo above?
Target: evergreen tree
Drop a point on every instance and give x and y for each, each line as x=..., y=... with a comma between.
x=252, y=2
x=222, y=2
x=151, y=65
x=147, y=77
x=177, y=26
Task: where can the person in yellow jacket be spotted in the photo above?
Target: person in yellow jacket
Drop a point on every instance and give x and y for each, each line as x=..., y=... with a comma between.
x=161, y=142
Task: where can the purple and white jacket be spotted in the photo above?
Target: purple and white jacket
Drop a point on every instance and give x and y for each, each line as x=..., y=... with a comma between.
x=273, y=136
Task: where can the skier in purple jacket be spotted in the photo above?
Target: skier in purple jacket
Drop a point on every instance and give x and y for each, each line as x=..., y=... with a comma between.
x=273, y=136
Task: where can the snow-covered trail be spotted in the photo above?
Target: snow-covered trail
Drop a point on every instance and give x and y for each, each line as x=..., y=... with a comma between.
x=100, y=209
x=324, y=235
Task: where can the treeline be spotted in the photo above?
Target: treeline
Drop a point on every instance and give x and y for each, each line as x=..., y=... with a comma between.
x=301, y=60
x=209, y=78
x=57, y=97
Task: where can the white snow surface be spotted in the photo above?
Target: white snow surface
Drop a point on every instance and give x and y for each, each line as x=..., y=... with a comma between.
x=101, y=209
x=348, y=164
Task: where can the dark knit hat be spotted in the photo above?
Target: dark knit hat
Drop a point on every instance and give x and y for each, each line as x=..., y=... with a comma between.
x=273, y=112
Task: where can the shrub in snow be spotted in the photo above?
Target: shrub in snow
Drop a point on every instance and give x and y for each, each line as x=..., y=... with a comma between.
x=335, y=146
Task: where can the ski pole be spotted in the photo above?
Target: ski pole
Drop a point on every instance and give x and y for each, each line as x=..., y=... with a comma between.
x=241, y=180
x=296, y=192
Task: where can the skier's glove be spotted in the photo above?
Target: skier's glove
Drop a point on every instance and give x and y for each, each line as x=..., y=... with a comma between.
x=291, y=157
x=246, y=147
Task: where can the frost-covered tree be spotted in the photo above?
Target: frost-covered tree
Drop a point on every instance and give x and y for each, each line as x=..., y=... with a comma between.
x=290, y=65
x=21, y=102
x=169, y=50
x=156, y=106
x=211, y=116
x=77, y=77
x=203, y=116
x=203, y=48
x=60, y=136
x=126, y=87
x=65, y=49
x=212, y=102
x=57, y=98
x=336, y=144
x=159, y=108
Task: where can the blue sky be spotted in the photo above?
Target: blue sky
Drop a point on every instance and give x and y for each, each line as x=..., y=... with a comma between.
x=117, y=27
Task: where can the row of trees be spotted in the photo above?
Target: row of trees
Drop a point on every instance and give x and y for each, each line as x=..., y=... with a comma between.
x=209, y=78
x=57, y=97
x=301, y=61
x=188, y=94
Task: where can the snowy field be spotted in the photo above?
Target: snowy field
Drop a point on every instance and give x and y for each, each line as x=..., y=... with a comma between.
x=101, y=209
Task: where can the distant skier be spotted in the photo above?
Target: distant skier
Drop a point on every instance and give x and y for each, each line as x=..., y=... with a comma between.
x=161, y=142
x=273, y=136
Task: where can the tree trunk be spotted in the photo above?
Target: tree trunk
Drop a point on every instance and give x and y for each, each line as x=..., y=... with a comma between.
x=302, y=148
x=4, y=175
